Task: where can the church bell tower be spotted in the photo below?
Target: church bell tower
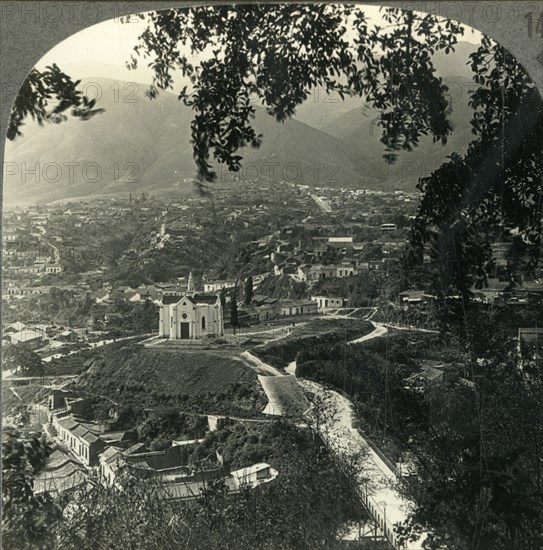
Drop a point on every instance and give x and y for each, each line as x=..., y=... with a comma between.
x=190, y=285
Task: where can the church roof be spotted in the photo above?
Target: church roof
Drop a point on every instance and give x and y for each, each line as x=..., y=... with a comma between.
x=169, y=299
x=204, y=298
x=195, y=299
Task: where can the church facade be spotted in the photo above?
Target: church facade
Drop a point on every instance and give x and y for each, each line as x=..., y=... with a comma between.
x=191, y=317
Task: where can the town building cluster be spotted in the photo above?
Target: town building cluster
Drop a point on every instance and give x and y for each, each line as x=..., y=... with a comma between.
x=97, y=452
x=314, y=238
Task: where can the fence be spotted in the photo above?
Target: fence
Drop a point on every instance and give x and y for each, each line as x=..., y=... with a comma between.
x=381, y=455
x=376, y=511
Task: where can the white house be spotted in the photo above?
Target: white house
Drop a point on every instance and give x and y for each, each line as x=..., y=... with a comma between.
x=341, y=242
x=297, y=307
x=102, y=295
x=316, y=272
x=326, y=302
x=133, y=297
x=388, y=227
x=254, y=475
x=52, y=268
x=85, y=444
x=15, y=327
x=346, y=271
x=110, y=460
x=215, y=286
x=31, y=339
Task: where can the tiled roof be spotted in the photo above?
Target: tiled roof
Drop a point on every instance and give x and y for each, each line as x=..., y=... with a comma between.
x=124, y=435
x=68, y=423
x=205, y=298
x=65, y=470
x=79, y=430
x=169, y=299
x=26, y=335
x=57, y=462
x=137, y=447
x=59, y=484
x=89, y=437
x=110, y=453
x=185, y=490
x=431, y=373
x=196, y=299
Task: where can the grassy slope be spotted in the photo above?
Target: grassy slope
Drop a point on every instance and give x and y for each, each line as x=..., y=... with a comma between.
x=318, y=331
x=193, y=380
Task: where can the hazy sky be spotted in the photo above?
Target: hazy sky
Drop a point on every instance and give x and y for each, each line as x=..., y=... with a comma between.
x=103, y=49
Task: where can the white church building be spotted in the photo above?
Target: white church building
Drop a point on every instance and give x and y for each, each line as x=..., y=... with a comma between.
x=191, y=316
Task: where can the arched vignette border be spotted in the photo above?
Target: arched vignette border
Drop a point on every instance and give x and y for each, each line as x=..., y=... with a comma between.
x=29, y=29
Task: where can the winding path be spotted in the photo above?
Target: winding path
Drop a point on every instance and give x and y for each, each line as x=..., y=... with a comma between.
x=261, y=368
x=376, y=481
x=379, y=330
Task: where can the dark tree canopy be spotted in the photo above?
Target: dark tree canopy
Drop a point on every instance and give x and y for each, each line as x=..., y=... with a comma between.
x=26, y=518
x=493, y=192
x=248, y=291
x=234, y=316
x=21, y=360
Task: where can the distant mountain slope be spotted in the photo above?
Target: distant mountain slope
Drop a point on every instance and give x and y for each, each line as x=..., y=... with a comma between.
x=144, y=145
x=359, y=129
x=320, y=109
x=298, y=152
x=137, y=144
x=355, y=123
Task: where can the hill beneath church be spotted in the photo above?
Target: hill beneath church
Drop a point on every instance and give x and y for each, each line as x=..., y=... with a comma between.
x=198, y=381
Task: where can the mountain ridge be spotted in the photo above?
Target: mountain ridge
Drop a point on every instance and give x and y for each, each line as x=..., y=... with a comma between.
x=142, y=145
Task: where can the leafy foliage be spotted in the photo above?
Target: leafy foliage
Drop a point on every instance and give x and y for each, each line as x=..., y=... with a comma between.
x=45, y=96
x=26, y=518
x=480, y=479
x=19, y=359
x=168, y=423
x=494, y=191
x=276, y=55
